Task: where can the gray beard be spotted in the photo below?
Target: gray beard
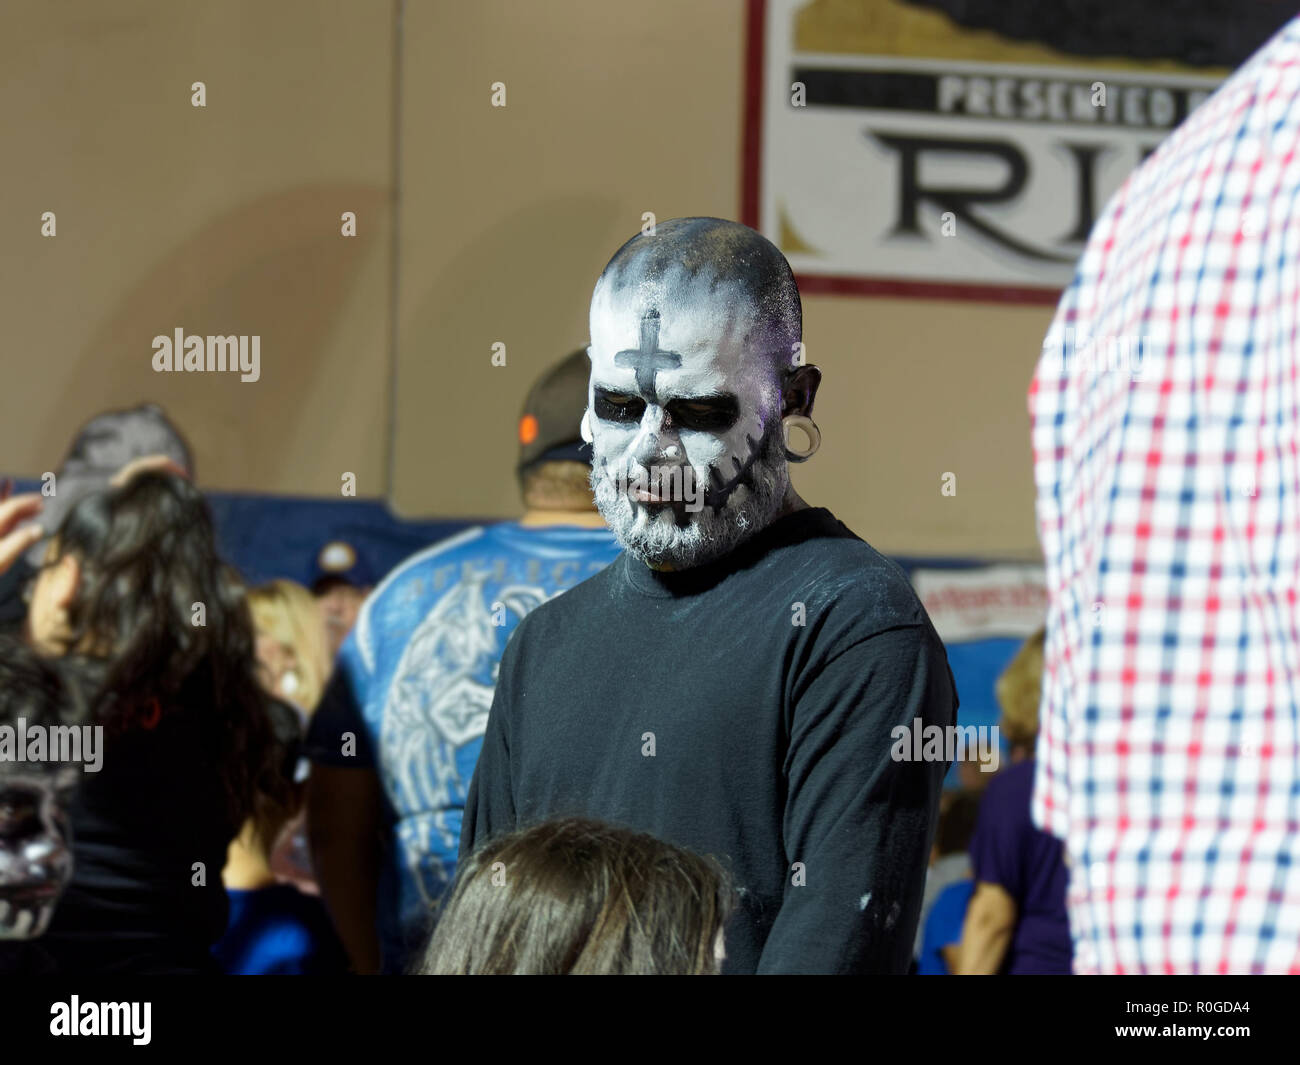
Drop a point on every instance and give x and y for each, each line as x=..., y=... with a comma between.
x=709, y=534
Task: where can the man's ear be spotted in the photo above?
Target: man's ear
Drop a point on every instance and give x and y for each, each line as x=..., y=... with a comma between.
x=800, y=391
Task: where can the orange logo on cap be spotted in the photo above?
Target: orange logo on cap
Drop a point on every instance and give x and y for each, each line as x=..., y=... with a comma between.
x=527, y=429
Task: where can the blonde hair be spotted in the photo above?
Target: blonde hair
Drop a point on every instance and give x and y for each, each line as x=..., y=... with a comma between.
x=286, y=612
x=1018, y=691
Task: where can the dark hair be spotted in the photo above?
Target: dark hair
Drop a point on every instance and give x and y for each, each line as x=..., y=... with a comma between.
x=277, y=794
x=34, y=688
x=957, y=819
x=40, y=691
x=580, y=897
x=148, y=558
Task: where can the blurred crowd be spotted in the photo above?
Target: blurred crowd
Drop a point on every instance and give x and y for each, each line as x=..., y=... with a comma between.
x=189, y=849
x=646, y=727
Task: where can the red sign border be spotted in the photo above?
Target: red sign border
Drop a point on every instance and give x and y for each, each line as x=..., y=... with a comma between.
x=840, y=285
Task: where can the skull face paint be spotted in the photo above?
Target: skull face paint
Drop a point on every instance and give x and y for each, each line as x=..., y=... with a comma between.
x=35, y=849
x=37, y=784
x=692, y=330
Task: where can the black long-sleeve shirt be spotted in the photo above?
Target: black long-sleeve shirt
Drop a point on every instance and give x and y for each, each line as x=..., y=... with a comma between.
x=767, y=686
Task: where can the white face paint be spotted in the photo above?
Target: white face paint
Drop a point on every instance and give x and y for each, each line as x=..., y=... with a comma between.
x=685, y=418
x=35, y=855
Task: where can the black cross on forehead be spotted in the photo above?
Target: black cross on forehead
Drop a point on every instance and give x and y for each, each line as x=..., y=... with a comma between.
x=648, y=359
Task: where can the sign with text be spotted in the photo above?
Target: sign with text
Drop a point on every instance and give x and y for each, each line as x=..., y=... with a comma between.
x=984, y=602
x=891, y=149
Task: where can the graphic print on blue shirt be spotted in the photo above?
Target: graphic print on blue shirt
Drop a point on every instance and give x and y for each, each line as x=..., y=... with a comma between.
x=415, y=681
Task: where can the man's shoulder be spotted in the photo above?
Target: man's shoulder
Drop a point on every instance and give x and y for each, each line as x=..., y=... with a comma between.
x=1005, y=805
x=1014, y=783
x=416, y=567
x=851, y=578
x=408, y=584
x=564, y=609
x=435, y=571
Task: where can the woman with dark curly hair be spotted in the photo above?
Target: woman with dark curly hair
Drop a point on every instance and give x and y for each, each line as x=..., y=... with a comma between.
x=133, y=595
x=580, y=897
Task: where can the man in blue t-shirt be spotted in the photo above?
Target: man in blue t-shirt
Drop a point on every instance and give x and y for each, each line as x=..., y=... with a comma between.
x=397, y=735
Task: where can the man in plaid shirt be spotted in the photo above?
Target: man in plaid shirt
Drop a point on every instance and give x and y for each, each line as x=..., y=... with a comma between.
x=1166, y=433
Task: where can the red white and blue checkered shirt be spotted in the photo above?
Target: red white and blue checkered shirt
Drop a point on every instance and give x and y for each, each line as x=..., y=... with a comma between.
x=1166, y=434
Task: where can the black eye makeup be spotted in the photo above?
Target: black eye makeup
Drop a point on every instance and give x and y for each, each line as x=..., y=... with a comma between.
x=19, y=813
x=712, y=414
x=617, y=406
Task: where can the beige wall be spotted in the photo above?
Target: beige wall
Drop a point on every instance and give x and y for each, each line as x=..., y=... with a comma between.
x=226, y=220
x=220, y=220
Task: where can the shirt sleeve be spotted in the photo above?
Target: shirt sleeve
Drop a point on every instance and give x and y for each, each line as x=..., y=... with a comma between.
x=995, y=848
x=337, y=735
x=944, y=925
x=1050, y=802
x=858, y=822
x=489, y=803
x=1067, y=537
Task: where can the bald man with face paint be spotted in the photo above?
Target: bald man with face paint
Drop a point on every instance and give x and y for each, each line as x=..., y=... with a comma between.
x=732, y=681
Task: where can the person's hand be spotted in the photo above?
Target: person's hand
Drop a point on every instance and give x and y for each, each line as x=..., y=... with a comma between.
x=14, y=540
x=145, y=464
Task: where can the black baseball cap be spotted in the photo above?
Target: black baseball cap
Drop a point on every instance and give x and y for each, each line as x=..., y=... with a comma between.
x=549, y=424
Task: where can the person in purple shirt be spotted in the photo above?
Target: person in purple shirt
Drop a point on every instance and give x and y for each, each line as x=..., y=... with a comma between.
x=1016, y=921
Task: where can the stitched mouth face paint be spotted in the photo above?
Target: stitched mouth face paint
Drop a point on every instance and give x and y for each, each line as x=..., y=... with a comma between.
x=692, y=329
x=35, y=850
